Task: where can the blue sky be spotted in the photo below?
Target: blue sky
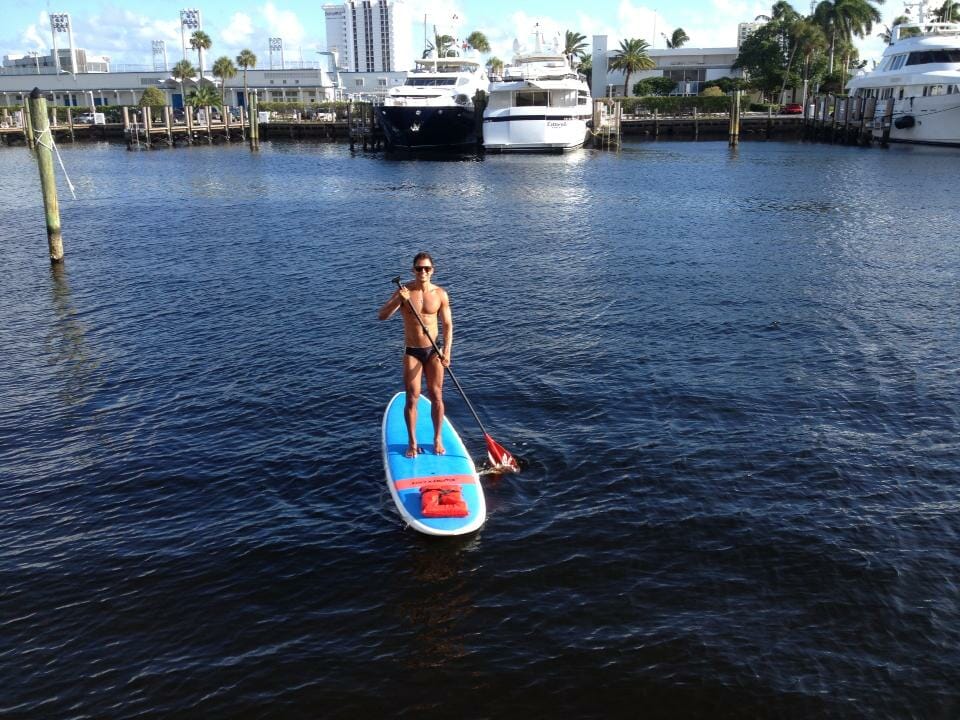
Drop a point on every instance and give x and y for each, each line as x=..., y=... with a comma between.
x=124, y=30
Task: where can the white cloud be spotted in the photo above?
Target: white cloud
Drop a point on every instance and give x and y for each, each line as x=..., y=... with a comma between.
x=284, y=24
x=238, y=31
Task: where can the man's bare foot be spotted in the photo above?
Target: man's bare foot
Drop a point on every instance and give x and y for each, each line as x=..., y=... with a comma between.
x=438, y=448
x=412, y=451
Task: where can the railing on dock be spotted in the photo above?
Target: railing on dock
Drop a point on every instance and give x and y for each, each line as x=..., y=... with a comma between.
x=363, y=126
x=607, y=120
x=849, y=120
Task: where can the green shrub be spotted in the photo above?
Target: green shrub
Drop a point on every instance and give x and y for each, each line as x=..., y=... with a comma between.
x=675, y=105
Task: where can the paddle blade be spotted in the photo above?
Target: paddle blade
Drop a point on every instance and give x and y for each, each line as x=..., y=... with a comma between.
x=499, y=458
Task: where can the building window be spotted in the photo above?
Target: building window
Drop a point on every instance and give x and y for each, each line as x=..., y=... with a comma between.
x=382, y=82
x=358, y=82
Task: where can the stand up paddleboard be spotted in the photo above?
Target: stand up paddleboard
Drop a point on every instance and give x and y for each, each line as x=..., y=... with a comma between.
x=435, y=494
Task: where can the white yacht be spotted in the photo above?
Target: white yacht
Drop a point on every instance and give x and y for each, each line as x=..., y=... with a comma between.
x=433, y=109
x=540, y=104
x=920, y=70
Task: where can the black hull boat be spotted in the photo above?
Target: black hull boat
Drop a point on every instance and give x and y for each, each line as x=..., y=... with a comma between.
x=440, y=129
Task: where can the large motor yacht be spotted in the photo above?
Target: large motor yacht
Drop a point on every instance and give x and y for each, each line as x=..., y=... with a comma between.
x=920, y=70
x=540, y=104
x=433, y=109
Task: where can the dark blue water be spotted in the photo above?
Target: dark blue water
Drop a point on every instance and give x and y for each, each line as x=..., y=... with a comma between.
x=733, y=376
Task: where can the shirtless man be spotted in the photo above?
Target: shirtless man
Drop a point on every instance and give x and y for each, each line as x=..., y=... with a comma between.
x=433, y=305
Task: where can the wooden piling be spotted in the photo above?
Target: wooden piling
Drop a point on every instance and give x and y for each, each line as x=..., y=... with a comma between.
x=656, y=122
x=254, y=123
x=70, y=124
x=887, y=123
x=43, y=139
x=696, y=124
x=734, y=130
x=188, y=116
x=168, y=123
x=148, y=124
x=27, y=123
x=243, y=125
x=225, y=111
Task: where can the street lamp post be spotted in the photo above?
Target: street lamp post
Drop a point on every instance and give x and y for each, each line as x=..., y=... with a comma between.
x=36, y=57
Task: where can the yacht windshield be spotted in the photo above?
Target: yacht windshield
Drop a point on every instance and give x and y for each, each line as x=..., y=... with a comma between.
x=950, y=55
x=430, y=81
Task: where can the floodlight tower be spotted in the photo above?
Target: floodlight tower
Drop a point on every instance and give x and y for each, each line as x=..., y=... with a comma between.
x=276, y=44
x=60, y=22
x=159, y=51
x=189, y=18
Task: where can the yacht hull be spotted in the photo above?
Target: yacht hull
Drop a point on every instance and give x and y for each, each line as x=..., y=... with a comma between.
x=936, y=121
x=411, y=127
x=533, y=132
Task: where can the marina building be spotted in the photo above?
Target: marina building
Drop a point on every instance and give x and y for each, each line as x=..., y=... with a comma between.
x=370, y=35
x=690, y=68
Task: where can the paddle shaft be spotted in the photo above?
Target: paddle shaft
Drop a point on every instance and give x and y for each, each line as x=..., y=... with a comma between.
x=453, y=377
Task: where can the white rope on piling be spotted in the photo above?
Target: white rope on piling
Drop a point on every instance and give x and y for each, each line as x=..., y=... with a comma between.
x=53, y=146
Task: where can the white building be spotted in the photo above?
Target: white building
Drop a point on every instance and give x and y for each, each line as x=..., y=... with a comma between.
x=688, y=67
x=745, y=30
x=370, y=35
x=35, y=63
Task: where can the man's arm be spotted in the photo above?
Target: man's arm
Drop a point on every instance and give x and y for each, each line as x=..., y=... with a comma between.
x=446, y=317
x=394, y=303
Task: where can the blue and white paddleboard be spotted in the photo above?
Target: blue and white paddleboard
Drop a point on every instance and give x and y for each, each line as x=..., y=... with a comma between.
x=406, y=476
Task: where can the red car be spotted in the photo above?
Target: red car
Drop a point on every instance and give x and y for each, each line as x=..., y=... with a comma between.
x=792, y=109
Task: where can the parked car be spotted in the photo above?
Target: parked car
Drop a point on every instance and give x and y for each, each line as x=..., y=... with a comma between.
x=84, y=119
x=792, y=109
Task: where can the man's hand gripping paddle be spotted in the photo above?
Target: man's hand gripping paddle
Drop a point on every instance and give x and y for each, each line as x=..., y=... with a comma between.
x=500, y=459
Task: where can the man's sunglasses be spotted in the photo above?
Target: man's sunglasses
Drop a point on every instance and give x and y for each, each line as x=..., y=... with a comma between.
x=422, y=268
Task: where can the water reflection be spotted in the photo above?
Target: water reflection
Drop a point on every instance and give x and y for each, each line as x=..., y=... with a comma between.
x=438, y=599
x=66, y=345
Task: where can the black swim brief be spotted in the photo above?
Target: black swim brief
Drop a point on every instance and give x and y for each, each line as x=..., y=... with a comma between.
x=421, y=353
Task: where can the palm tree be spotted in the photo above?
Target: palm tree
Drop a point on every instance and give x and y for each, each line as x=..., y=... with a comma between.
x=181, y=71
x=204, y=96
x=809, y=39
x=887, y=34
x=224, y=69
x=574, y=44
x=478, y=41
x=630, y=58
x=947, y=12
x=246, y=59
x=200, y=41
x=677, y=38
x=443, y=44
x=586, y=65
x=842, y=19
x=495, y=66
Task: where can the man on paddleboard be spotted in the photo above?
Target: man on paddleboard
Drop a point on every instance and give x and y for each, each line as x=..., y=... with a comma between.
x=423, y=354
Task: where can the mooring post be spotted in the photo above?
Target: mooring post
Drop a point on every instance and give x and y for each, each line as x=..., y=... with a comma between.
x=226, y=122
x=27, y=123
x=43, y=139
x=254, y=123
x=696, y=123
x=734, y=130
x=148, y=123
x=168, y=125
x=70, y=124
x=350, y=123
x=188, y=116
x=243, y=119
x=656, y=122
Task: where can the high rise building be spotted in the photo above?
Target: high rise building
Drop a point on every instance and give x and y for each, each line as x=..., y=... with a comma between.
x=370, y=35
x=745, y=30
